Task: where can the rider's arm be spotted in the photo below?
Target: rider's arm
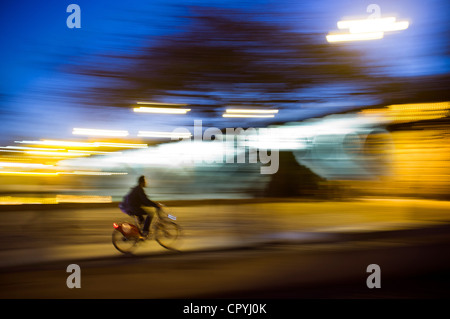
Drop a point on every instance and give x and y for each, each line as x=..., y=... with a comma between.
x=145, y=200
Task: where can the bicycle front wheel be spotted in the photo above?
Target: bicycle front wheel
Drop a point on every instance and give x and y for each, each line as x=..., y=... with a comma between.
x=167, y=234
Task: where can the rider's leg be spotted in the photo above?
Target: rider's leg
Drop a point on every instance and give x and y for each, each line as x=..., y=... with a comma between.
x=148, y=218
x=148, y=221
x=140, y=218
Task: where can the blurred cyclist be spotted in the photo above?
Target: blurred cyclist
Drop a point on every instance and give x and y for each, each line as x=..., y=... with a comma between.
x=133, y=202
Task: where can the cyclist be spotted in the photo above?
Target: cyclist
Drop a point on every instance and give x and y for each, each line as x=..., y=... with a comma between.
x=133, y=202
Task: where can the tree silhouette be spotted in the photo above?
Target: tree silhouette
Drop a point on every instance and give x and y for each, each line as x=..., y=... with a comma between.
x=223, y=58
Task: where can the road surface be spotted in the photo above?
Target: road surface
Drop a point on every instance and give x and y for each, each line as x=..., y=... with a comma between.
x=284, y=250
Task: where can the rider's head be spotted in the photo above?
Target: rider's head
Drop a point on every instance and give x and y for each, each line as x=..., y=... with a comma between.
x=142, y=181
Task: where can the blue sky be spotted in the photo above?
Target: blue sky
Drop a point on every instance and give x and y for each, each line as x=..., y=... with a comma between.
x=36, y=45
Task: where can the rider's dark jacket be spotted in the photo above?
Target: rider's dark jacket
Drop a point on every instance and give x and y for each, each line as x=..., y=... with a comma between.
x=137, y=198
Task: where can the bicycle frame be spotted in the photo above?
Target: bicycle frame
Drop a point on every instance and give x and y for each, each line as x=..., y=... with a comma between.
x=158, y=218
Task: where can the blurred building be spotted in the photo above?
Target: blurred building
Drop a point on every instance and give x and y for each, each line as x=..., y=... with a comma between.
x=396, y=151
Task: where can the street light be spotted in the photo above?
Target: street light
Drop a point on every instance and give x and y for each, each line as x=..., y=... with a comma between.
x=161, y=108
x=366, y=29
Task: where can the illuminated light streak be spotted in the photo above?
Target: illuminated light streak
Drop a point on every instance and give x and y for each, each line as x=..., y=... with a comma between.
x=91, y=173
x=83, y=144
x=411, y=112
x=366, y=29
x=49, y=153
x=254, y=111
x=159, y=103
x=28, y=173
x=120, y=145
x=164, y=134
x=8, y=200
x=344, y=37
x=97, y=132
x=82, y=199
x=91, y=152
x=21, y=173
x=247, y=115
x=421, y=106
x=373, y=25
x=33, y=148
x=366, y=23
x=31, y=165
x=160, y=110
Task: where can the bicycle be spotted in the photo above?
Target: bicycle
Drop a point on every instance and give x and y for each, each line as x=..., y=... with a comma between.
x=127, y=236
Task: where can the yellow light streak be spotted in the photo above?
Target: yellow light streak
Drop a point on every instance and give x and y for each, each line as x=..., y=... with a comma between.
x=92, y=173
x=83, y=144
x=9, y=200
x=58, y=143
x=82, y=199
x=411, y=112
x=86, y=173
x=33, y=148
x=28, y=173
x=64, y=153
x=91, y=152
x=421, y=106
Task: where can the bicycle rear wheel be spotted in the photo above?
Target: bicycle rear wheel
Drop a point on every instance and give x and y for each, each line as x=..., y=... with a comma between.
x=122, y=243
x=167, y=234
